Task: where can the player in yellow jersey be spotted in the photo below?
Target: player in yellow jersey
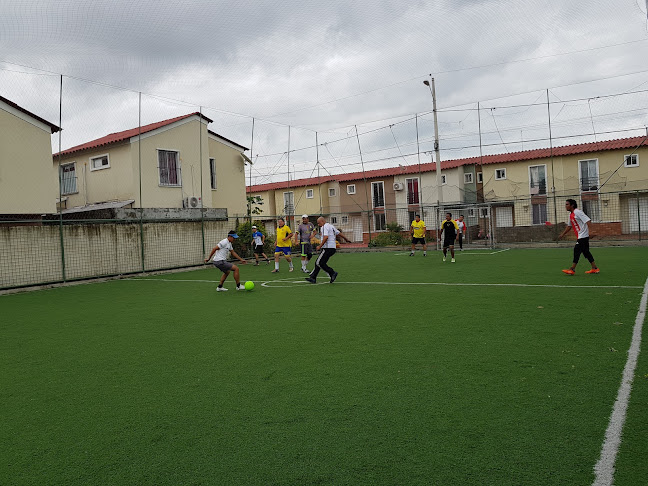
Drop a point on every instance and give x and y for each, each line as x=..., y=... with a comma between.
x=283, y=245
x=417, y=229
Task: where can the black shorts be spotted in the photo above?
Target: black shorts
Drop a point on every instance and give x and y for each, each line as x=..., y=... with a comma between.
x=258, y=249
x=448, y=242
x=418, y=240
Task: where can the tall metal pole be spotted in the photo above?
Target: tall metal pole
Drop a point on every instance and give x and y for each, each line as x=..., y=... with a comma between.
x=364, y=176
x=553, y=180
x=61, y=180
x=288, y=206
x=249, y=197
x=139, y=159
x=437, y=152
x=418, y=154
x=319, y=182
x=202, y=196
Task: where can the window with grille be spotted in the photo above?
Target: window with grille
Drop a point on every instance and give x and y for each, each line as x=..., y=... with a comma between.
x=500, y=174
x=538, y=180
x=631, y=160
x=212, y=172
x=67, y=174
x=412, y=190
x=169, y=168
x=101, y=162
x=589, y=177
x=378, y=194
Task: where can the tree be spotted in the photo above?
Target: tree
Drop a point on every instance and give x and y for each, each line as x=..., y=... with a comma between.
x=253, y=203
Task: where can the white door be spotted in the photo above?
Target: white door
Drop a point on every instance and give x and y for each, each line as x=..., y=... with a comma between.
x=635, y=217
x=504, y=217
x=357, y=229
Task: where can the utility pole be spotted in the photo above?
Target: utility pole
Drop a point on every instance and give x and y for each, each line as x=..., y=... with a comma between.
x=437, y=152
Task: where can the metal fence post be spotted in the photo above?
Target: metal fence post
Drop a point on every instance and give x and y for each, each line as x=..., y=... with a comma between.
x=638, y=216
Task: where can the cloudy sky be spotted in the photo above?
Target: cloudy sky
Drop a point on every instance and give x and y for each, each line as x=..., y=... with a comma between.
x=306, y=69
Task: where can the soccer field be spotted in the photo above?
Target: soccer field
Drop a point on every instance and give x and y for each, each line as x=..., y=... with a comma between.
x=494, y=370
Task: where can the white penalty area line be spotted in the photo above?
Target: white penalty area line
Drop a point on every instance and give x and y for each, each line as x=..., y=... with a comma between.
x=604, y=468
x=472, y=251
x=291, y=282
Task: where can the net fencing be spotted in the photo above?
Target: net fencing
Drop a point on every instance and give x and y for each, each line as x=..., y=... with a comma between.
x=55, y=249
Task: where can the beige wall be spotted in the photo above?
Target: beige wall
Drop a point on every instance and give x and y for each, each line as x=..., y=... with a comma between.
x=114, y=183
x=451, y=191
x=27, y=182
x=230, y=178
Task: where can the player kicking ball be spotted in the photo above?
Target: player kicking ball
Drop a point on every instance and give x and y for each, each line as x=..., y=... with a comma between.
x=220, y=253
x=449, y=228
x=581, y=224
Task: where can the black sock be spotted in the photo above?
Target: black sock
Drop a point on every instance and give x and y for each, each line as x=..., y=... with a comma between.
x=220, y=286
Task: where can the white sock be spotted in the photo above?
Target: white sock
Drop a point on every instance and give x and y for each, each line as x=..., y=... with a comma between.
x=290, y=264
x=276, y=265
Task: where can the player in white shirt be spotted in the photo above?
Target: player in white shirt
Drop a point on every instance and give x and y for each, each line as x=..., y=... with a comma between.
x=327, y=247
x=220, y=253
x=581, y=224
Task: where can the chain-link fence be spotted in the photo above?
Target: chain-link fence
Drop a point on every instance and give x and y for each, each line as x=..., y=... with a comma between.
x=62, y=248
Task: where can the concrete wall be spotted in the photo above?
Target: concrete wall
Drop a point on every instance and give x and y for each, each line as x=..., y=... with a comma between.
x=27, y=183
x=31, y=255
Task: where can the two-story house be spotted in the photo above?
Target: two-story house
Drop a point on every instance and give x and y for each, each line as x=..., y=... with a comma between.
x=173, y=163
x=28, y=185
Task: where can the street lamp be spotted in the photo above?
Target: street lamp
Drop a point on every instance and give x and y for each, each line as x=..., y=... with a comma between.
x=430, y=84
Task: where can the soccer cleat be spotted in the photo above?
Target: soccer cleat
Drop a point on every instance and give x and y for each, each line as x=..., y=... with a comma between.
x=240, y=287
x=311, y=280
x=594, y=270
x=444, y=258
x=267, y=262
x=290, y=269
x=275, y=271
x=334, y=276
x=452, y=261
x=411, y=254
x=424, y=254
x=569, y=271
x=221, y=289
x=256, y=264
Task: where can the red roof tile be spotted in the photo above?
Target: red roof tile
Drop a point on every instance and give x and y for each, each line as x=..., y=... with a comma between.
x=127, y=134
x=53, y=127
x=617, y=144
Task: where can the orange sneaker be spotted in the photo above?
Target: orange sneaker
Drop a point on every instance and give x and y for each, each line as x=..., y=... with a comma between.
x=569, y=271
x=594, y=270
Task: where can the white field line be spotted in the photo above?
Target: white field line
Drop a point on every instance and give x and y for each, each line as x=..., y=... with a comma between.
x=604, y=468
x=474, y=251
x=269, y=283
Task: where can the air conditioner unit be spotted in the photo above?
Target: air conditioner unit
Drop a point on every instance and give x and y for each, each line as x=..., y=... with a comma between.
x=192, y=202
x=399, y=186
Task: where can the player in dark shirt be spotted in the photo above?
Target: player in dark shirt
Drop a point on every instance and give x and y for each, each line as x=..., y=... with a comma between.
x=450, y=228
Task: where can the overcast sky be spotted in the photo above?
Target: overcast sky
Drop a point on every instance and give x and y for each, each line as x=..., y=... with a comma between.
x=327, y=66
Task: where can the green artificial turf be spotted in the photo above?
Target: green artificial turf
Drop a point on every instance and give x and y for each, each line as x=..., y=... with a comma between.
x=166, y=381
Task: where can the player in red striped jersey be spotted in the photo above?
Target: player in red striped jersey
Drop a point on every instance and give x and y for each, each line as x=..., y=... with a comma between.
x=581, y=224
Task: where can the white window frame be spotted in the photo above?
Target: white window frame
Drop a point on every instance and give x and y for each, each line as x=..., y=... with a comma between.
x=92, y=168
x=480, y=177
x=372, y=192
x=312, y=194
x=545, y=170
x=179, y=168
x=213, y=179
x=580, y=175
x=503, y=176
x=286, y=208
x=76, y=186
x=333, y=219
x=332, y=192
x=344, y=219
x=418, y=193
x=351, y=188
x=629, y=157
x=468, y=178
x=444, y=179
